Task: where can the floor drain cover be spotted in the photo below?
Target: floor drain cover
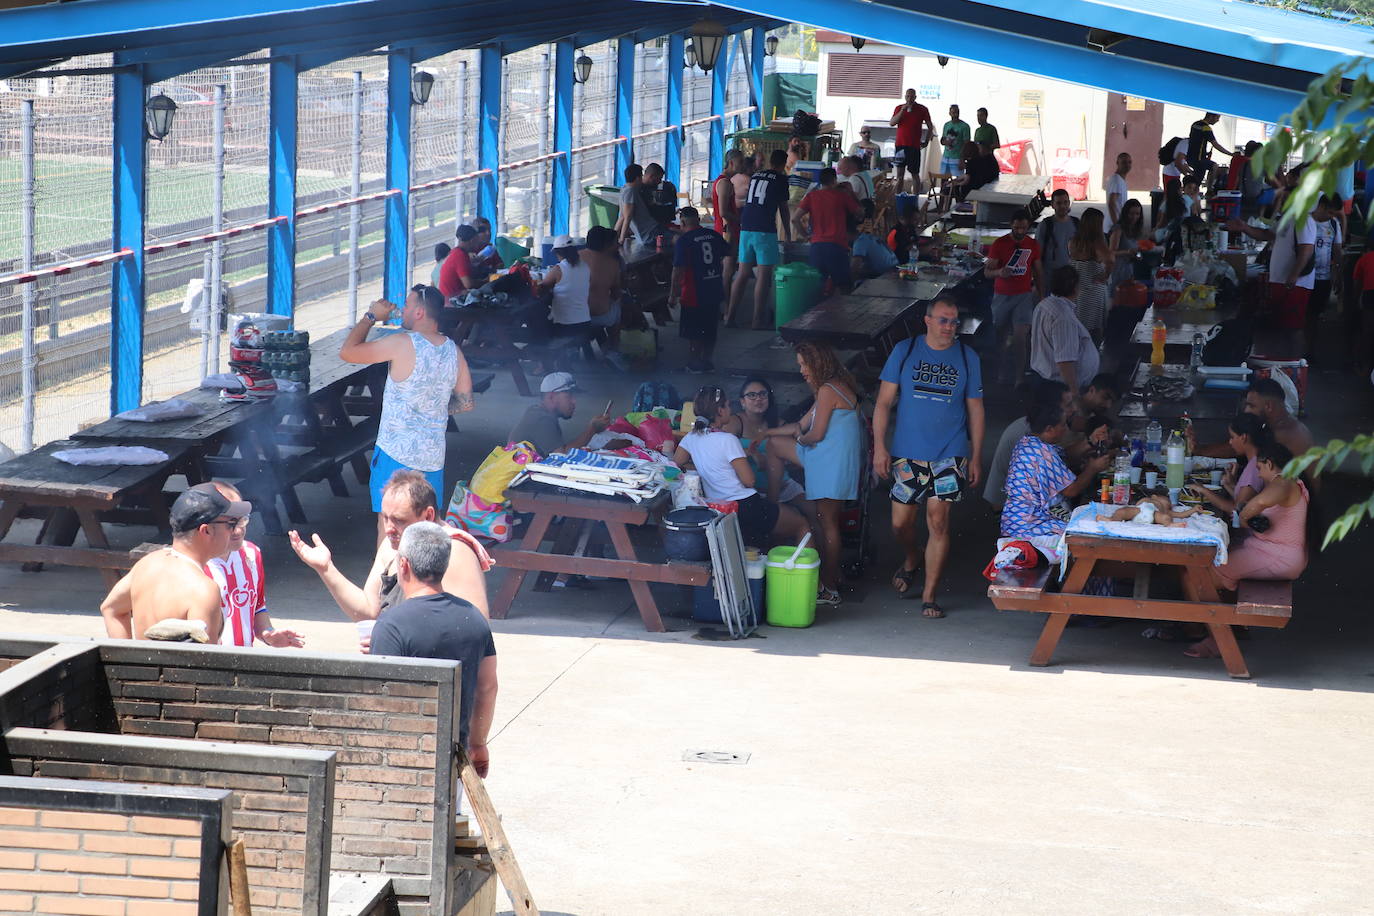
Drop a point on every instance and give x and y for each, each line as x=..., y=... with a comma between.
x=715, y=757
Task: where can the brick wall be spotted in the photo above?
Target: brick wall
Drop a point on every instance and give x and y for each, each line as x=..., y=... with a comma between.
x=384, y=729
x=268, y=814
x=68, y=862
x=70, y=692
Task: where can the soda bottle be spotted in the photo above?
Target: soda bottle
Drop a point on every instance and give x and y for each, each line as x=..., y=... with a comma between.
x=1154, y=440
x=1158, y=335
x=1196, y=361
x=1173, y=461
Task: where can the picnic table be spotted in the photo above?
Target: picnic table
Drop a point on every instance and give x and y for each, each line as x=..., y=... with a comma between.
x=580, y=513
x=1180, y=326
x=933, y=282
x=1258, y=604
x=855, y=322
x=1203, y=405
x=995, y=203
x=497, y=328
x=71, y=498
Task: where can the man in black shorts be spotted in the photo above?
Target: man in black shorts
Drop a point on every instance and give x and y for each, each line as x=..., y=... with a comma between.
x=908, y=118
x=698, y=258
x=936, y=384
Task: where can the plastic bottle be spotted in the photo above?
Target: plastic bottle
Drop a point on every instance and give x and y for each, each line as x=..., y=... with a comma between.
x=1198, y=341
x=1173, y=461
x=1154, y=440
x=1121, y=481
x=1158, y=335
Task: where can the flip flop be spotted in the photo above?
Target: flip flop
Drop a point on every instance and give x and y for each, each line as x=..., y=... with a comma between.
x=928, y=606
x=906, y=577
x=1206, y=648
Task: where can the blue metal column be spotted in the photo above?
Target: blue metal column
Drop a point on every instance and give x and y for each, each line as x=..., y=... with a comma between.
x=672, y=157
x=488, y=128
x=561, y=181
x=129, y=193
x=395, y=247
x=624, y=104
x=756, y=76
x=720, y=74
x=281, y=186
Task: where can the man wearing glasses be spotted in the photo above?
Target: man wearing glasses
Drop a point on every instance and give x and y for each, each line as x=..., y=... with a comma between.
x=427, y=370
x=936, y=385
x=171, y=583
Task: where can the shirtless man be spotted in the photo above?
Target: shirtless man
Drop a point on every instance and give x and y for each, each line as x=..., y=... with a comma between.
x=171, y=583
x=1265, y=400
x=407, y=498
x=603, y=289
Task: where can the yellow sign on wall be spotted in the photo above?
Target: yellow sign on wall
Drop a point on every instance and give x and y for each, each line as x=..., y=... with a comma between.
x=1135, y=103
x=1030, y=98
x=1027, y=117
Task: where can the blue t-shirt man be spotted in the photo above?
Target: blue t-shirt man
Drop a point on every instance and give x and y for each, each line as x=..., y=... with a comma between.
x=699, y=253
x=932, y=419
x=877, y=257
x=767, y=193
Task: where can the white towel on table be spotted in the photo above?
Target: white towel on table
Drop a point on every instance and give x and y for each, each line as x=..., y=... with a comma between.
x=112, y=455
x=1201, y=529
x=174, y=409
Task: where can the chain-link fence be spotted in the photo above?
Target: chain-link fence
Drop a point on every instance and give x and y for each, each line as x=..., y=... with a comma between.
x=341, y=137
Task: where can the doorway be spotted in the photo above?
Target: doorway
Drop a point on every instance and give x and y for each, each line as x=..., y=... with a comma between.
x=1135, y=126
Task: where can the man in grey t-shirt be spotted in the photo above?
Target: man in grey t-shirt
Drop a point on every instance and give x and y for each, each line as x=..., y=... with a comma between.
x=636, y=219
x=540, y=426
x=1054, y=233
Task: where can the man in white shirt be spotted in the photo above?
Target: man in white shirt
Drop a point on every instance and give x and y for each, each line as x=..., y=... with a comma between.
x=1326, y=266
x=1061, y=347
x=851, y=169
x=1117, y=192
x=1291, y=277
x=1178, y=163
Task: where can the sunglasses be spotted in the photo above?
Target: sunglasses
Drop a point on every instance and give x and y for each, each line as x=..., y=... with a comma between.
x=231, y=522
x=755, y=395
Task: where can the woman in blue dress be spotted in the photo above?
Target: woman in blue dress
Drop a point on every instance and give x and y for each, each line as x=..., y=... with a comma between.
x=828, y=445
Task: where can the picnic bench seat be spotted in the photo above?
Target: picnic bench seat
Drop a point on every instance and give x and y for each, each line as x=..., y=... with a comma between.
x=1019, y=585
x=1265, y=598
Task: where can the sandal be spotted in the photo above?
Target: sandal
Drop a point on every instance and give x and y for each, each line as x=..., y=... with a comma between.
x=906, y=577
x=931, y=609
x=827, y=597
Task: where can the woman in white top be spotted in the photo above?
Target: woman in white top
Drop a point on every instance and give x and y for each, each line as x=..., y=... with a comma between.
x=570, y=281
x=726, y=475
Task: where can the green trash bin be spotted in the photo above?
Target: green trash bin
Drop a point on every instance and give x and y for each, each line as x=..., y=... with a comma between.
x=511, y=250
x=796, y=287
x=791, y=593
x=603, y=205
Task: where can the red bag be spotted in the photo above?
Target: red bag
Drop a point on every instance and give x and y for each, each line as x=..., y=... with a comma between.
x=1016, y=555
x=655, y=431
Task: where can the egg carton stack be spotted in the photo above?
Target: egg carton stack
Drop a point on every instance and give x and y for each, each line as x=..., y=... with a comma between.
x=286, y=355
x=591, y=472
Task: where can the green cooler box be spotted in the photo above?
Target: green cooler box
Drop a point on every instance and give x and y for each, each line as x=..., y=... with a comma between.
x=796, y=287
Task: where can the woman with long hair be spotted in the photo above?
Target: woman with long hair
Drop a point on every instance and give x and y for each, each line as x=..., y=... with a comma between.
x=1125, y=242
x=726, y=475
x=1247, y=437
x=757, y=413
x=1090, y=256
x=828, y=444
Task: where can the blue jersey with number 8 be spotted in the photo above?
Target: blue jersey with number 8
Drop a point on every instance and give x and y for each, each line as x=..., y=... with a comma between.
x=699, y=254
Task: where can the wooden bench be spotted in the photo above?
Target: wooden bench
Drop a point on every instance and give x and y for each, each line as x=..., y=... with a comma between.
x=1259, y=604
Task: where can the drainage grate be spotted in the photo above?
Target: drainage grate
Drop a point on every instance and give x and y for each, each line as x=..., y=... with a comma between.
x=728, y=757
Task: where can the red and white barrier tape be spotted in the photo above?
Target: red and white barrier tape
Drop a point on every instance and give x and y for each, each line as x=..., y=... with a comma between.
x=591, y=146
x=520, y=164
x=452, y=179
x=340, y=204
x=213, y=236
x=66, y=267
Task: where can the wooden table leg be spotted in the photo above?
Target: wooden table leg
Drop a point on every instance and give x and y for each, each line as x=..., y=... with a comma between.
x=1049, y=638
x=564, y=542
x=9, y=511
x=644, y=598
x=1198, y=586
x=95, y=537
x=534, y=536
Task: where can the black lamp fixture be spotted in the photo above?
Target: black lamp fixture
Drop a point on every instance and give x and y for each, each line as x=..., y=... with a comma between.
x=708, y=37
x=770, y=46
x=942, y=60
x=689, y=55
x=858, y=42
x=421, y=85
x=582, y=69
x=158, y=113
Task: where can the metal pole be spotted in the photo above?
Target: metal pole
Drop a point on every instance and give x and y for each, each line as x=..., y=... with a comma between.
x=29, y=368
x=354, y=216
x=541, y=199
x=204, y=310
x=410, y=198
x=576, y=189
x=217, y=216
x=500, y=227
x=460, y=188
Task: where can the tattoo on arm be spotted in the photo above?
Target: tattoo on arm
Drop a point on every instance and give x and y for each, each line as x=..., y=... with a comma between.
x=463, y=402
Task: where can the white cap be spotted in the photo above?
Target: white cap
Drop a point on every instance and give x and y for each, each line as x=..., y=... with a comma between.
x=557, y=381
x=569, y=241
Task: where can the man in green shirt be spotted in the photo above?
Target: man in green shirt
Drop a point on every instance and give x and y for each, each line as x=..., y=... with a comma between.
x=986, y=133
x=953, y=136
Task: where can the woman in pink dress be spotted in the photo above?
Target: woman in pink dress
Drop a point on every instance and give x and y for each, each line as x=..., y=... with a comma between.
x=1275, y=546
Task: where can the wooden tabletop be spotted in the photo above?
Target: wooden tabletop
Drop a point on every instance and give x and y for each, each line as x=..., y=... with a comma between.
x=851, y=322
x=1009, y=189
x=891, y=286
x=530, y=496
x=1204, y=404
x=39, y=474
x=1180, y=324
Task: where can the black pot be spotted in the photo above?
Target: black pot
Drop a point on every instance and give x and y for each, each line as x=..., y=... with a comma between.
x=684, y=533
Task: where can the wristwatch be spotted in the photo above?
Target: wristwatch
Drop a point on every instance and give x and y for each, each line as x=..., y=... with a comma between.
x=371, y=317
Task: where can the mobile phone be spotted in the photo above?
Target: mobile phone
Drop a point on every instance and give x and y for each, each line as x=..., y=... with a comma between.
x=607, y=411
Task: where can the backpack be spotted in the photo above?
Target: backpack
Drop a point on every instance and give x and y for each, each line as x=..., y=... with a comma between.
x=655, y=394
x=1228, y=344
x=1166, y=152
x=805, y=123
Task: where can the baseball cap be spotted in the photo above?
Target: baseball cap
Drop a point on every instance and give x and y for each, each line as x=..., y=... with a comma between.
x=202, y=504
x=568, y=241
x=558, y=381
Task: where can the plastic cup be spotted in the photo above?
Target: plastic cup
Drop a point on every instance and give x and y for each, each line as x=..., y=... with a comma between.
x=1188, y=465
x=1151, y=479
x=1216, y=478
x=1135, y=475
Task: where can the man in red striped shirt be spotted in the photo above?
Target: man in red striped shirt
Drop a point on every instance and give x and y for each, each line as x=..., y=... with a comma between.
x=243, y=588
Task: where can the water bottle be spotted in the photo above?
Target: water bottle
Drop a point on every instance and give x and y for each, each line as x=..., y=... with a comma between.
x=1174, y=472
x=1121, y=481
x=1154, y=440
x=1158, y=335
x=1137, y=453
x=1196, y=361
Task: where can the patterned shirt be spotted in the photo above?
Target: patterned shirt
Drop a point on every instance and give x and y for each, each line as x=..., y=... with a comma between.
x=1035, y=478
x=415, y=411
x=242, y=592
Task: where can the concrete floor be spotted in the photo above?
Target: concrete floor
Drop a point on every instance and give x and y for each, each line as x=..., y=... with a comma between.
x=894, y=764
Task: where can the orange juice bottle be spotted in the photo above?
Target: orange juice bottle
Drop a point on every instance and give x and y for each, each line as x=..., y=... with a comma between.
x=1157, y=337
